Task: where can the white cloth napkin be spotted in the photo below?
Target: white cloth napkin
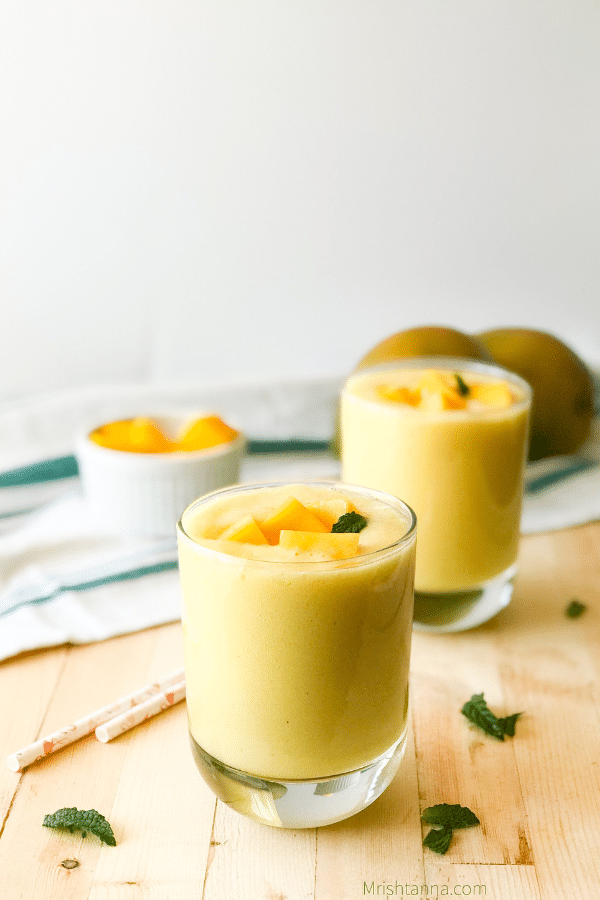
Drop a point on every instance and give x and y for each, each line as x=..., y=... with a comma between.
x=61, y=581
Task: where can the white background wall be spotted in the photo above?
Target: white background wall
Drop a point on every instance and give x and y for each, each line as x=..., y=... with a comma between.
x=228, y=189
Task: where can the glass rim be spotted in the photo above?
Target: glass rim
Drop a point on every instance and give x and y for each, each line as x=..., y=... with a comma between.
x=445, y=362
x=389, y=500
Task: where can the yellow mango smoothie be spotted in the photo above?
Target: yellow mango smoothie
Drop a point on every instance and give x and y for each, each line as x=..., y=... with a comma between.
x=297, y=617
x=450, y=438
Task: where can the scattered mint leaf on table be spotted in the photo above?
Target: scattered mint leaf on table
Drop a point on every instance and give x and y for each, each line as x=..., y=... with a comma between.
x=477, y=711
x=438, y=839
x=83, y=820
x=575, y=609
x=452, y=815
x=448, y=816
x=350, y=522
x=508, y=723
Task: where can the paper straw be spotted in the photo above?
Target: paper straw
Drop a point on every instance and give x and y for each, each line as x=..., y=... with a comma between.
x=127, y=720
x=71, y=733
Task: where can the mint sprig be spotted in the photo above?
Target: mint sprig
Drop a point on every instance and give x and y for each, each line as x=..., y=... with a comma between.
x=447, y=816
x=463, y=388
x=477, y=711
x=452, y=815
x=83, y=820
x=349, y=522
x=438, y=839
x=575, y=609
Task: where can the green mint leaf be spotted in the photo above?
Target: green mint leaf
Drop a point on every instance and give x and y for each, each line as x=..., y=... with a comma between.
x=349, y=522
x=575, y=609
x=83, y=820
x=508, y=723
x=463, y=388
x=476, y=711
x=450, y=815
x=438, y=839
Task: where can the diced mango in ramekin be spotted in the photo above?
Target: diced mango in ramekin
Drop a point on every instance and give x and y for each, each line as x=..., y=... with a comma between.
x=140, y=435
x=205, y=432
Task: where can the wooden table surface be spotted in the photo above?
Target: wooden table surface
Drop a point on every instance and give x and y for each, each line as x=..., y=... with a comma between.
x=537, y=795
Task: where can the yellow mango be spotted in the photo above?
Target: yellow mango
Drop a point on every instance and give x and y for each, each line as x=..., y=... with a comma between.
x=291, y=515
x=207, y=431
x=329, y=511
x=246, y=531
x=439, y=392
x=333, y=546
x=114, y=435
x=411, y=396
x=495, y=393
x=140, y=435
x=146, y=437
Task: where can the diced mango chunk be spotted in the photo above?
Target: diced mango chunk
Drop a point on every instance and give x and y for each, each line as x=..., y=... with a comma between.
x=332, y=546
x=207, y=431
x=492, y=393
x=439, y=392
x=140, y=435
x=291, y=515
x=246, y=531
x=410, y=396
x=114, y=435
x=329, y=511
x=146, y=437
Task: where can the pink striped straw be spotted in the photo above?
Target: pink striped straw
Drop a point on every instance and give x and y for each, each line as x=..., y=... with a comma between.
x=70, y=733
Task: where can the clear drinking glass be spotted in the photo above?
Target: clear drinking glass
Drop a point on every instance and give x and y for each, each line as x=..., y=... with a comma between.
x=460, y=469
x=296, y=669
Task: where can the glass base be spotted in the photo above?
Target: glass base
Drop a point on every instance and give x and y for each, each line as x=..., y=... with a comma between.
x=299, y=804
x=461, y=610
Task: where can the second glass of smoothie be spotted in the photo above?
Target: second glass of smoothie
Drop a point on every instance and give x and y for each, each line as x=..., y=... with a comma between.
x=449, y=436
x=297, y=621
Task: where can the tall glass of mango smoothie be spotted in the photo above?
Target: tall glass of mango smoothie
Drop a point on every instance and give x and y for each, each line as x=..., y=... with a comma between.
x=297, y=622
x=449, y=436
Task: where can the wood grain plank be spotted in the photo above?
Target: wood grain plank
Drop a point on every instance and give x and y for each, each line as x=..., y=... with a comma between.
x=163, y=815
x=458, y=763
x=259, y=862
x=549, y=667
x=27, y=684
x=477, y=881
x=380, y=845
x=85, y=774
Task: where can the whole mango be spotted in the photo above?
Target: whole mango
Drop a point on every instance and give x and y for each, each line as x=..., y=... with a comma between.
x=563, y=397
x=427, y=340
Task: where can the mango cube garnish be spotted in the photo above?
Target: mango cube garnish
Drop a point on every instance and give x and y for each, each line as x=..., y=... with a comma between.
x=329, y=511
x=205, y=432
x=246, y=531
x=291, y=515
x=333, y=546
x=495, y=393
x=439, y=393
x=410, y=396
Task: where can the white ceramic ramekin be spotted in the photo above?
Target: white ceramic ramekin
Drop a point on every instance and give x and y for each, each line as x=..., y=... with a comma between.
x=146, y=493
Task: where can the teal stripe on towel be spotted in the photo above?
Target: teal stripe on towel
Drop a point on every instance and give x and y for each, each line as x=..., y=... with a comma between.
x=138, y=572
x=36, y=473
x=66, y=466
x=551, y=478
